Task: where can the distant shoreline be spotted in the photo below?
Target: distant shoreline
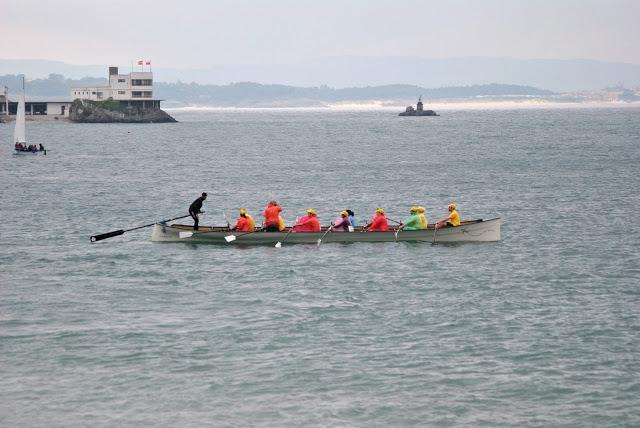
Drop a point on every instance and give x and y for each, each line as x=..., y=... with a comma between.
x=436, y=105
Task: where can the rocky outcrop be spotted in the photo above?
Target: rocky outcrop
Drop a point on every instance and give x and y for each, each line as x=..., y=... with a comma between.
x=86, y=111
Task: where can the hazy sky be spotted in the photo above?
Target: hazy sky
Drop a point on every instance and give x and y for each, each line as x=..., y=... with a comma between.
x=199, y=34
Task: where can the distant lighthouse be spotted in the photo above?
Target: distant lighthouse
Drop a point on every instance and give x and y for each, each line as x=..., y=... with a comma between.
x=418, y=111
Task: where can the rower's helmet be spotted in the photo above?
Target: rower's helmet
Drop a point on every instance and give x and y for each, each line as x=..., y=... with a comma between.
x=350, y=212
x=413, y=209
x=344, y=213
x=380, y=211
x=421, y=209
x=452, y=206
x=243, y=211
x=311, y=211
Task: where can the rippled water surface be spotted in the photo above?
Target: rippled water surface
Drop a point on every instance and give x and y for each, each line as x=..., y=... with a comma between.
x=540, y=329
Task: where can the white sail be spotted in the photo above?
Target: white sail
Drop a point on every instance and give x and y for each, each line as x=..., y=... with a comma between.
x=19, y=134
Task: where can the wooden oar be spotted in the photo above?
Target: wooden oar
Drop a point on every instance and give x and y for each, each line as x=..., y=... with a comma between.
x=231, y=238
x=396, y=234
x=228, y=238
x=96, y=238
x=325, y=234
x=279, y=244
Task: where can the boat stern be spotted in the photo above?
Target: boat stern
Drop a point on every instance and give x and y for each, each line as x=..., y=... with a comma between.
x=164, y=233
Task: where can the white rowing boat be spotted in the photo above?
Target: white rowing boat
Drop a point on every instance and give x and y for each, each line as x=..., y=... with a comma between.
x=468, y=231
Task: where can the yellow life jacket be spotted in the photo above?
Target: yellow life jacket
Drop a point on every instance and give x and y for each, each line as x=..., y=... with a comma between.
x=424, y=220
x=252, y=223
x=455, y=218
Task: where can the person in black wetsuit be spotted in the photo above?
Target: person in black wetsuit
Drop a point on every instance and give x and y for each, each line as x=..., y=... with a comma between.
x=195, y=209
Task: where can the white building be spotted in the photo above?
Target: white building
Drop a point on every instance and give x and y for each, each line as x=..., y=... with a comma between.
x=37, y=106
x=133, y=89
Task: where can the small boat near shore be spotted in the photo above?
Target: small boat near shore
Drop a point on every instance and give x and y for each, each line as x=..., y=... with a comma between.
x=468, y=231
x=20, y=134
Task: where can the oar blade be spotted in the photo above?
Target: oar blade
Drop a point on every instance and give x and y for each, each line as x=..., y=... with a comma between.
x=230, y=238
x=278, y=244
x=185, y=235
x=97, y=238
x=319, y=241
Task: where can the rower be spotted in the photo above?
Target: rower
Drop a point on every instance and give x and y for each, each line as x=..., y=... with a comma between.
x=452, y=220
x=308, y=223
x=379, y=222
x=243, y=224
x=352, y=218
x=342, y=224
x=271, y=216
x=195, y=209
x=412, y=222
x=423, y=218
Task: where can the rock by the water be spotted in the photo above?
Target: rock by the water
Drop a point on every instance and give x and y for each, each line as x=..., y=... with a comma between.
x=109, y=111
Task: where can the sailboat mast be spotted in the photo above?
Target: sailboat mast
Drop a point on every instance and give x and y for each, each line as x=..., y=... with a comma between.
x=19, y=134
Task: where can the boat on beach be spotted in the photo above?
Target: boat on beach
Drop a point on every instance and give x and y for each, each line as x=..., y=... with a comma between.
x=468, y=231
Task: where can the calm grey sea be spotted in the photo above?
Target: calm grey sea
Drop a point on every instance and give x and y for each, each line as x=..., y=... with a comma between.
x=540, y=329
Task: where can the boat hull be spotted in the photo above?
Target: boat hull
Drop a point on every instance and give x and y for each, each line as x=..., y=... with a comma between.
x=29, y=152
x=471, y=231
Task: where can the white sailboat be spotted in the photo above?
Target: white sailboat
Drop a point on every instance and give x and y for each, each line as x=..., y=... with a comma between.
x=19, y=132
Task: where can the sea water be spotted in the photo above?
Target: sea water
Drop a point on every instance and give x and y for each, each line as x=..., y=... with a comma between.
x=539, y=329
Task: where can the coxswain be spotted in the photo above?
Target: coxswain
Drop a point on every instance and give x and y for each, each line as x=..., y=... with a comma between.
x=243, y=224
x=196, y=208
x=423, y=218
x=412, y=222
x=342, y=224
x=452, y=220
x=308, y=223
x=352, y=218
x=271, y=216
x=379, y=222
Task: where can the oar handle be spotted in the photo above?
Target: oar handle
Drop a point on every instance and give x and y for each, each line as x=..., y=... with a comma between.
x=97, y=238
